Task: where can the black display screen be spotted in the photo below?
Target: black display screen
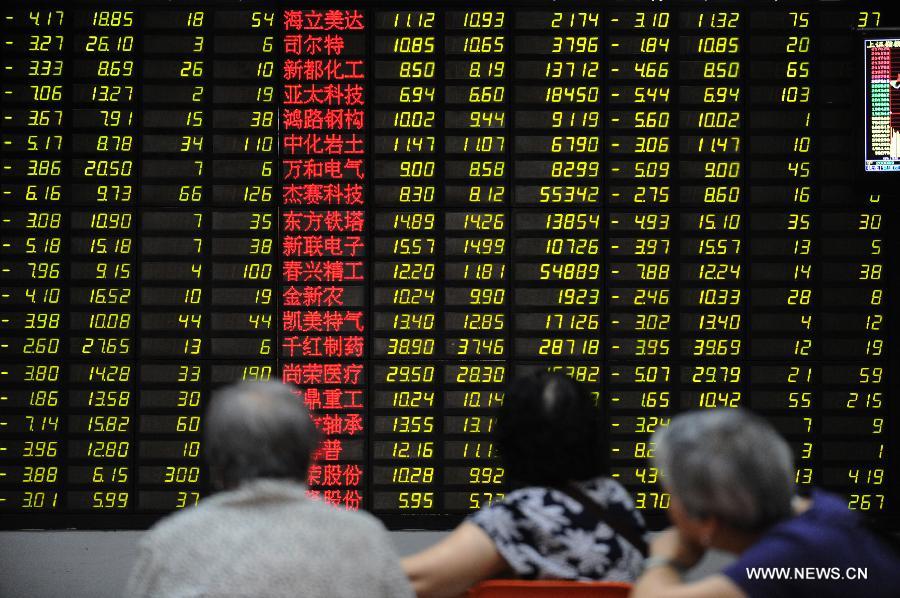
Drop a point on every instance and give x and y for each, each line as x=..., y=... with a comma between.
x=398, y=207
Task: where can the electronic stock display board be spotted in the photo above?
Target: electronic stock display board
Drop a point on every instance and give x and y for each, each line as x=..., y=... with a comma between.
x=397, y=207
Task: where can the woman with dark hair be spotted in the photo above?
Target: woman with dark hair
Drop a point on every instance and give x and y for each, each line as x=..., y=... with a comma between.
x=566, y=520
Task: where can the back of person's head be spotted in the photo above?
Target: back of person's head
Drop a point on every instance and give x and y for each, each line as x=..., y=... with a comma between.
x=549, y=431
x=729, y=464
x=257, y=430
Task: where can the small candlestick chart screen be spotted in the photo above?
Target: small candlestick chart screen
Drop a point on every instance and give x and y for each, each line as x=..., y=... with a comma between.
x=882, y=91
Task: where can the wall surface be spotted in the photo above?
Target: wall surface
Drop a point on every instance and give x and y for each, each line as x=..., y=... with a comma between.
x=72, y=564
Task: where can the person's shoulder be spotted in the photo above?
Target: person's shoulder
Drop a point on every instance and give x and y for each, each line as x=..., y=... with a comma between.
x=180, y=524
x=824, y=530
x=509, y=512
x=602, y=489
x=826, y=515
x=527, y=498
x=526, y=493
x=345, y=519
x=607, y=491
x=218, y=511
x=827, y=506
x=342, y=527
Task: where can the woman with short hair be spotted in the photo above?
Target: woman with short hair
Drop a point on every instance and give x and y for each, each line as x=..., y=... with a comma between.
x=731, y=478
x=567, y=519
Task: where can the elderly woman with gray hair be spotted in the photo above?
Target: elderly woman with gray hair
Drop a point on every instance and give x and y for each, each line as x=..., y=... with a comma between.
x=731, y=479
x=259, y=535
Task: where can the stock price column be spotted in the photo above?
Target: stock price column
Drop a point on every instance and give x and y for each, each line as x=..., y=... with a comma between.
x=323, y=248
x=34, y=271
x=641, y=223
x=559, y=281
x=103, y=265
x=407, y=301
x=711, y=210
x=476, y=252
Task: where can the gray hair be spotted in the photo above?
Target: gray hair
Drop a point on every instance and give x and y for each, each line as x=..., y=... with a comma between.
x=727, y=463
x=258, y=430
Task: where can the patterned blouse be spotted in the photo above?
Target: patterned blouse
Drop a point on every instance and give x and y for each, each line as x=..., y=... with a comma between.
x=543, y=533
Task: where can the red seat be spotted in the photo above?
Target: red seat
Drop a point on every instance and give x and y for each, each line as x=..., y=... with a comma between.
x=501, y=588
